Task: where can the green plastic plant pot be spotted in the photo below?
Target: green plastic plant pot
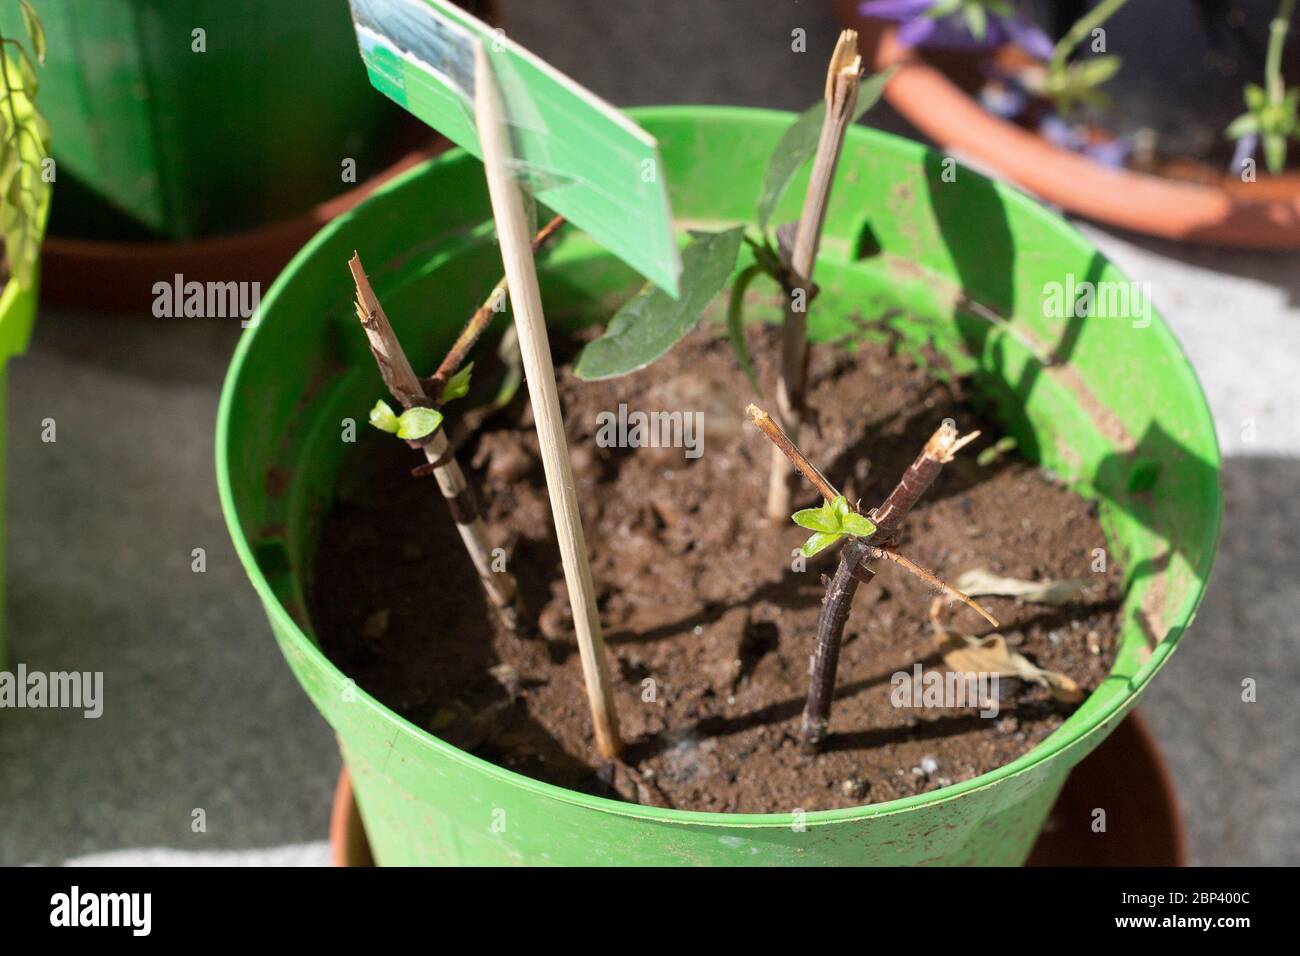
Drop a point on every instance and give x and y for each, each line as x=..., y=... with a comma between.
x=158, y=139
x=17, y=316
x=1120, y=415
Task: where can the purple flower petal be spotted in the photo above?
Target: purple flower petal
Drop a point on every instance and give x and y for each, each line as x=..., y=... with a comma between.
x=1111, y=153
x=1028, y=37
x=1060, y=133
x=895, y=9
x=918, y=32
x=1245, y=150
x=1003, y=99
x=950, y=33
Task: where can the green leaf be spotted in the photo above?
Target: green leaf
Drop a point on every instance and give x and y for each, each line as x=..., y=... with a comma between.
x=817, y=519
x=382, y=417
x=1070, y=84
x=10, y=161
x=840, y=507
x=1256, y=98
x=513, y=377
x=858, y=525
x=31, y=84
x=736, y=322
x=870, y=90
x=943, y=8
x=1095, y=70
x=653, y=322
x=418, y=422
x=818, y=543
x=1274, y=152
x=995, y=451
x=799, y=143
x=976, y=20
x=795, y=148
x=1243, y=125
x=1291, y=102
x=457, y=386
x=35, y=29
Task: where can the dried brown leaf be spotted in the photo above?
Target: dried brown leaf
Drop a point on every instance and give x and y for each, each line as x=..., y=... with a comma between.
x=991, y=655
x=981, y=581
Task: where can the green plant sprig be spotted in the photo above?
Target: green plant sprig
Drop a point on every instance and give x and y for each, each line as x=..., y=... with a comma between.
x=24, y=146
x=1068, y=84
x=832, y=522
x=1272, y=111
x=419, y=421
x=835, y=521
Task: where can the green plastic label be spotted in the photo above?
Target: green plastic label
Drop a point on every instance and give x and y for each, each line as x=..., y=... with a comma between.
x=579, y=155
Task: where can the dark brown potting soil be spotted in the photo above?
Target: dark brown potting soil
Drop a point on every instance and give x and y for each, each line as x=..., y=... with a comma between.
x=709, y=629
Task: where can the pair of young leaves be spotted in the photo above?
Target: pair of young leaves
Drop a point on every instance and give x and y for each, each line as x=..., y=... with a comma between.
x=652, y=322
x=420, y=422
x=831, y=523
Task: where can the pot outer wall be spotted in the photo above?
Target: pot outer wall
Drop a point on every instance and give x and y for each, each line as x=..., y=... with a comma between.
x=1126, y=775
x=1119, y=414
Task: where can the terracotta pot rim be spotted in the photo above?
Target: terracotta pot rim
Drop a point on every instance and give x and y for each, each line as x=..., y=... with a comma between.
x=321, y=213
x=118, y=276
x=1154, y=205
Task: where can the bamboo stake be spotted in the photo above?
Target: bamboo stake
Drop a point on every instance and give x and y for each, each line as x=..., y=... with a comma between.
x=842, y=78
x=521, y=276
x=405, y=386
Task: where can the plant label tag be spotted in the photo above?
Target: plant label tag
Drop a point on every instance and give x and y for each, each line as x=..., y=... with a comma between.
x=577, y=154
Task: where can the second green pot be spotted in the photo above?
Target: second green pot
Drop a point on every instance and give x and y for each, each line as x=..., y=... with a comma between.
x=176, y=120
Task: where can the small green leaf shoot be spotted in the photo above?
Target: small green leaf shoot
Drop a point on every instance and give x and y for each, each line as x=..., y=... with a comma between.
x=457, y=386
x=858, y=525
x=818, y=543
x=418, y=422
x=817, y=519
x=382, y=417
x=832, y=521
x=736, y=322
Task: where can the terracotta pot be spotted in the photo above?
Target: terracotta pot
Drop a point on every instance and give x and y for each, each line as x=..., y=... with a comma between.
x=1264, y=214
x=348, y=843
x=119, y=276
x=1126, y=776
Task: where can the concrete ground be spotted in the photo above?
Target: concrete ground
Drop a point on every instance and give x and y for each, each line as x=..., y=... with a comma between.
x=205, y=724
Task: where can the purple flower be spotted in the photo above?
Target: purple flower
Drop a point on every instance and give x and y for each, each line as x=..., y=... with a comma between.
x=952, y=33
x=1107, y=152
x=1005, y=99
x=1245, y=150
